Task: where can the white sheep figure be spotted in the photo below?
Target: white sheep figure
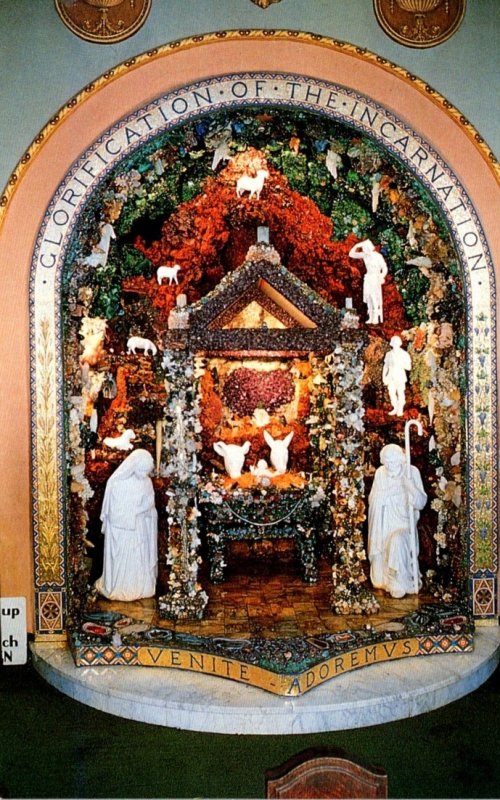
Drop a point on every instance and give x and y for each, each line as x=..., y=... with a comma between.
x=253, y=185
x=168, y=272
x=123, y=442
x=279, y=451
x=138, y=343
x=233, y=455
x=99, y=254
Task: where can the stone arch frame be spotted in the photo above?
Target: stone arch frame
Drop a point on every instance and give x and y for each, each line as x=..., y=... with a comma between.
x=45, y=355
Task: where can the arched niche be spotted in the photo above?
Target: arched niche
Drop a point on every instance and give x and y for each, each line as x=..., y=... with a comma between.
x=163, y=88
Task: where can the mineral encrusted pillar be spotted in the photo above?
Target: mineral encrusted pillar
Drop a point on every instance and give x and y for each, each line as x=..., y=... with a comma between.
x=185, y=598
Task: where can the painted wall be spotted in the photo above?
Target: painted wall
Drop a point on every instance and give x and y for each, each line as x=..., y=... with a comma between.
x=43, y=64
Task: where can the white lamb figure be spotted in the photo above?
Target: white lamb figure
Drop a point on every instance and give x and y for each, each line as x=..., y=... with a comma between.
x=168, y=272
x=99, y=254
x=123, y=442
x=233, y=455
x=279, y=451
x=138, y=343
x=253, y=185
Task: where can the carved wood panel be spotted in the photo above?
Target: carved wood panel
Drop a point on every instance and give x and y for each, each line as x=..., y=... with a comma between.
x=325, y=773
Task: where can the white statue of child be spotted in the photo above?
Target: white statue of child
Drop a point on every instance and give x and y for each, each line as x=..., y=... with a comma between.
x=397, y=363
x=130, y=527
x=392, y=538
x=376, y=270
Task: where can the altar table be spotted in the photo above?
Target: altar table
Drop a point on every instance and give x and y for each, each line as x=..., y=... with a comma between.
x=262, y=514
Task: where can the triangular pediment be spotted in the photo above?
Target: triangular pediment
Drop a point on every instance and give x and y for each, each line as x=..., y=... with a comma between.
x=253, y=315
x=261, y=306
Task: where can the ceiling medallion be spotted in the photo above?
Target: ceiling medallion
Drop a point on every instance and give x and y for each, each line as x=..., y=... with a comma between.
x=103, y=21
x=265, y=3
x=419, y=23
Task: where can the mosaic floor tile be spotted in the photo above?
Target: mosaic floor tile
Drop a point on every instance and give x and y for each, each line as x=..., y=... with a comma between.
x=269, y=604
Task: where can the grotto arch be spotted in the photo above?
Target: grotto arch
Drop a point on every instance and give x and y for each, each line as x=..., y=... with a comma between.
x=54, y=235
x=123, y=142
x=206, y=261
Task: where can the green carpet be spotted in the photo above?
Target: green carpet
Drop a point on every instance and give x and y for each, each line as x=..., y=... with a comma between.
x=51, y=746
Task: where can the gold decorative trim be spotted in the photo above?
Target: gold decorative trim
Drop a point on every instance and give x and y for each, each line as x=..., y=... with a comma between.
x=278, y=683
x=483, y=596
x=241, y=35
x=51, y=613
x=419, y=23
x=103, y=21
x=51, y=568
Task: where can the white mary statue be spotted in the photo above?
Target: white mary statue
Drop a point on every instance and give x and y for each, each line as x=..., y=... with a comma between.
x=130, y=527
x=392, y=532
x=376, y=270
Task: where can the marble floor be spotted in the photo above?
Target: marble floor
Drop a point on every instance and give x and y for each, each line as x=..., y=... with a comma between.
x=173, y=698
x=264, y=596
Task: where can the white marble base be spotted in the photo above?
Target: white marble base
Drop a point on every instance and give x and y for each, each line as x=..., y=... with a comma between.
x=375, y=694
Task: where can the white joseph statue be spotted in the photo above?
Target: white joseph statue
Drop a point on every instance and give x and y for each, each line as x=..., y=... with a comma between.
x=397, y=363
x=130, y=527
x=376, y=270
x=396, y=498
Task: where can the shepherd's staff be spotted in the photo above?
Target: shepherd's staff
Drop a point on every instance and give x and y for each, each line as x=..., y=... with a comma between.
x=159, y=444
x=411, y=513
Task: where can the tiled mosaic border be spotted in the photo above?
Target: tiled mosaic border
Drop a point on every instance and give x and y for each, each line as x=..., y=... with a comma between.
x=296, y=91
x=287, y=685
x=289, y=667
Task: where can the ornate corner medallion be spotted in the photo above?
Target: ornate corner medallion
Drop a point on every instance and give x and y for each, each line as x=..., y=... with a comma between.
x=103, y=21
x=265, y=3
x=419, y=23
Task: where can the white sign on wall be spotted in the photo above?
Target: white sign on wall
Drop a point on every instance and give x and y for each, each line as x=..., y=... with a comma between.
x=13, y=633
